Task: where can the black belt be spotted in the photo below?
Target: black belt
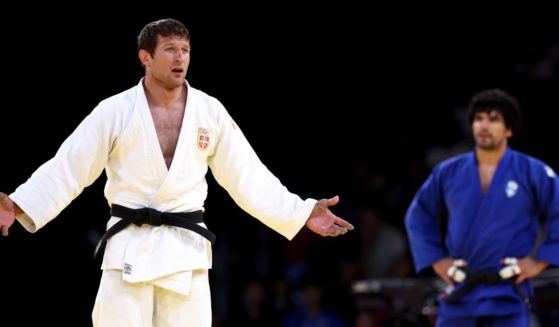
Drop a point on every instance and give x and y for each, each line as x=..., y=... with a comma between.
x=475, y=278
x=186, y=220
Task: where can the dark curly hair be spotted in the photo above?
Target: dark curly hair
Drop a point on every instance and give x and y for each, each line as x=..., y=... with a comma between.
x=498, y=100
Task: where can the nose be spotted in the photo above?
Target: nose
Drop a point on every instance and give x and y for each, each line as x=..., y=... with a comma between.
x=180, y=56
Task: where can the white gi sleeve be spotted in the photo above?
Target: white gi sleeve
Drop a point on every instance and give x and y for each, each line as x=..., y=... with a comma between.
x=76, y=165
x=237, y=168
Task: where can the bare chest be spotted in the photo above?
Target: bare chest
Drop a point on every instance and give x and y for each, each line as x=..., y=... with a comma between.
x=486, y=173
x=168, y=125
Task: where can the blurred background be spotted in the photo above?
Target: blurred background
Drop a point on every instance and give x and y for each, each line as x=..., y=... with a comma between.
x=338, y=100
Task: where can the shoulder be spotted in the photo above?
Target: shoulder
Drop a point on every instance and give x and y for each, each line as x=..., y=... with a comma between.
x=203, y=98
x=115, y=111
x=118, y=104
x=454, y=163
x=205, y=103
x=533, y=165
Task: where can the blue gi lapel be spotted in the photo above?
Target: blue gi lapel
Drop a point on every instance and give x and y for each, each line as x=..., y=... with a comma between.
x=481, y=245
x=463, y=198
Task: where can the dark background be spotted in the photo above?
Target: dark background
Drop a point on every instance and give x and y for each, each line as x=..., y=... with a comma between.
x=336, y=100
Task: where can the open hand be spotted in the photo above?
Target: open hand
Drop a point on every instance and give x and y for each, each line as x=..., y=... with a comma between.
x=323, y=222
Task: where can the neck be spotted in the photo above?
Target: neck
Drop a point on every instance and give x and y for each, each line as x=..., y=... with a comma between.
x=490, y=156
x=159, y=95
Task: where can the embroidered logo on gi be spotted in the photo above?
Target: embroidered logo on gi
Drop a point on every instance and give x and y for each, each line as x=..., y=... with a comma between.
x=550, y=172
x=127, y=268
x=203, y=139
x=511, y=189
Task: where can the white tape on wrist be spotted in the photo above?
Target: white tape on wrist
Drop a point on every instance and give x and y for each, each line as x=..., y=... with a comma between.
x=510, y=271
x=459, y=263
x=458, y=275
x=510, y=261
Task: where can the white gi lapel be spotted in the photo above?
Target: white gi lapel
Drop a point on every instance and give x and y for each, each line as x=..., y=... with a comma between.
x=151, y=134
x=178, y=157
x=136, y=246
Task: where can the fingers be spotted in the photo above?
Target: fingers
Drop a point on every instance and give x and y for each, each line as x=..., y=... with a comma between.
x=460, y=263
x=340, y=222
x=335, y=230
x=323, y=222
x=509, y=261
x=329, y=229
x=325, y=203
x=510, y=269
x=333, y=201
x=457, y=274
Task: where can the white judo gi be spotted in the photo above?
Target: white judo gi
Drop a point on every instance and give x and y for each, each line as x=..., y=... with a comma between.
x=119, y=136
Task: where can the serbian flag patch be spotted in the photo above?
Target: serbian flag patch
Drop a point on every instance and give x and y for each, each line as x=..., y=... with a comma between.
x=203, y=138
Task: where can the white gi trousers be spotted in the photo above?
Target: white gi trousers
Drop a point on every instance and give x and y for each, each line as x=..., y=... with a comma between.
x=144, y=304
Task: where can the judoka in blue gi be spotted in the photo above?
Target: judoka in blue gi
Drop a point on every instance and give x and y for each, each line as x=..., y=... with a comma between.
x=475, y=221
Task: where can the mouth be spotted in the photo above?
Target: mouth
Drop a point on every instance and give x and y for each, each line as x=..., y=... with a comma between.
x=178, y=71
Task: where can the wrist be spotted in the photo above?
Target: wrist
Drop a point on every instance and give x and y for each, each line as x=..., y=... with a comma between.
x=542, y=264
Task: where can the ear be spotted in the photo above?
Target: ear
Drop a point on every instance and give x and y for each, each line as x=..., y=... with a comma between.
x=508, y=132
x=145, y=57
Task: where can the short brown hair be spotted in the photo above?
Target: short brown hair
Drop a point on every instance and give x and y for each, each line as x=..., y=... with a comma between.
x=147, y=39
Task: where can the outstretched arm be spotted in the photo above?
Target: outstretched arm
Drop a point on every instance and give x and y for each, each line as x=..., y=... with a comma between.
x=323, y=222
x=8, y=212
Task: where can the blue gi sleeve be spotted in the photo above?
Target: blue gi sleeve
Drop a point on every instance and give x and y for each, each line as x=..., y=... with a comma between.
x=422, y=223
x=547, y=196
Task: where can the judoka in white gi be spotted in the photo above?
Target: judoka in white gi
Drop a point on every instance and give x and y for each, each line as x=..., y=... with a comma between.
x=155, y=141
x=493, y=198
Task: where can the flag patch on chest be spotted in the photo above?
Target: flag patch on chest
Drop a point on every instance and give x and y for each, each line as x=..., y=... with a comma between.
x=511, y=189
x=203, y=138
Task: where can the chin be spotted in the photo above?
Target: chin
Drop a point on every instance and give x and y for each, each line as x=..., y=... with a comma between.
x=486, y=146
x=175, y=83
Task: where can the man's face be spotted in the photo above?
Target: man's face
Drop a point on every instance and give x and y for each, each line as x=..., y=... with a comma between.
x=170, y=61
x=490, y=130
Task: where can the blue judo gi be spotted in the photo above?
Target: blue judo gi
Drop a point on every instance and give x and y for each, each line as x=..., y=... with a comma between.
x=484, y=228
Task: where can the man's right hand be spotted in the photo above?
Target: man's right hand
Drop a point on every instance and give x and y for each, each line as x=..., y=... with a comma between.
x=441, y=268
x=8, y=212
